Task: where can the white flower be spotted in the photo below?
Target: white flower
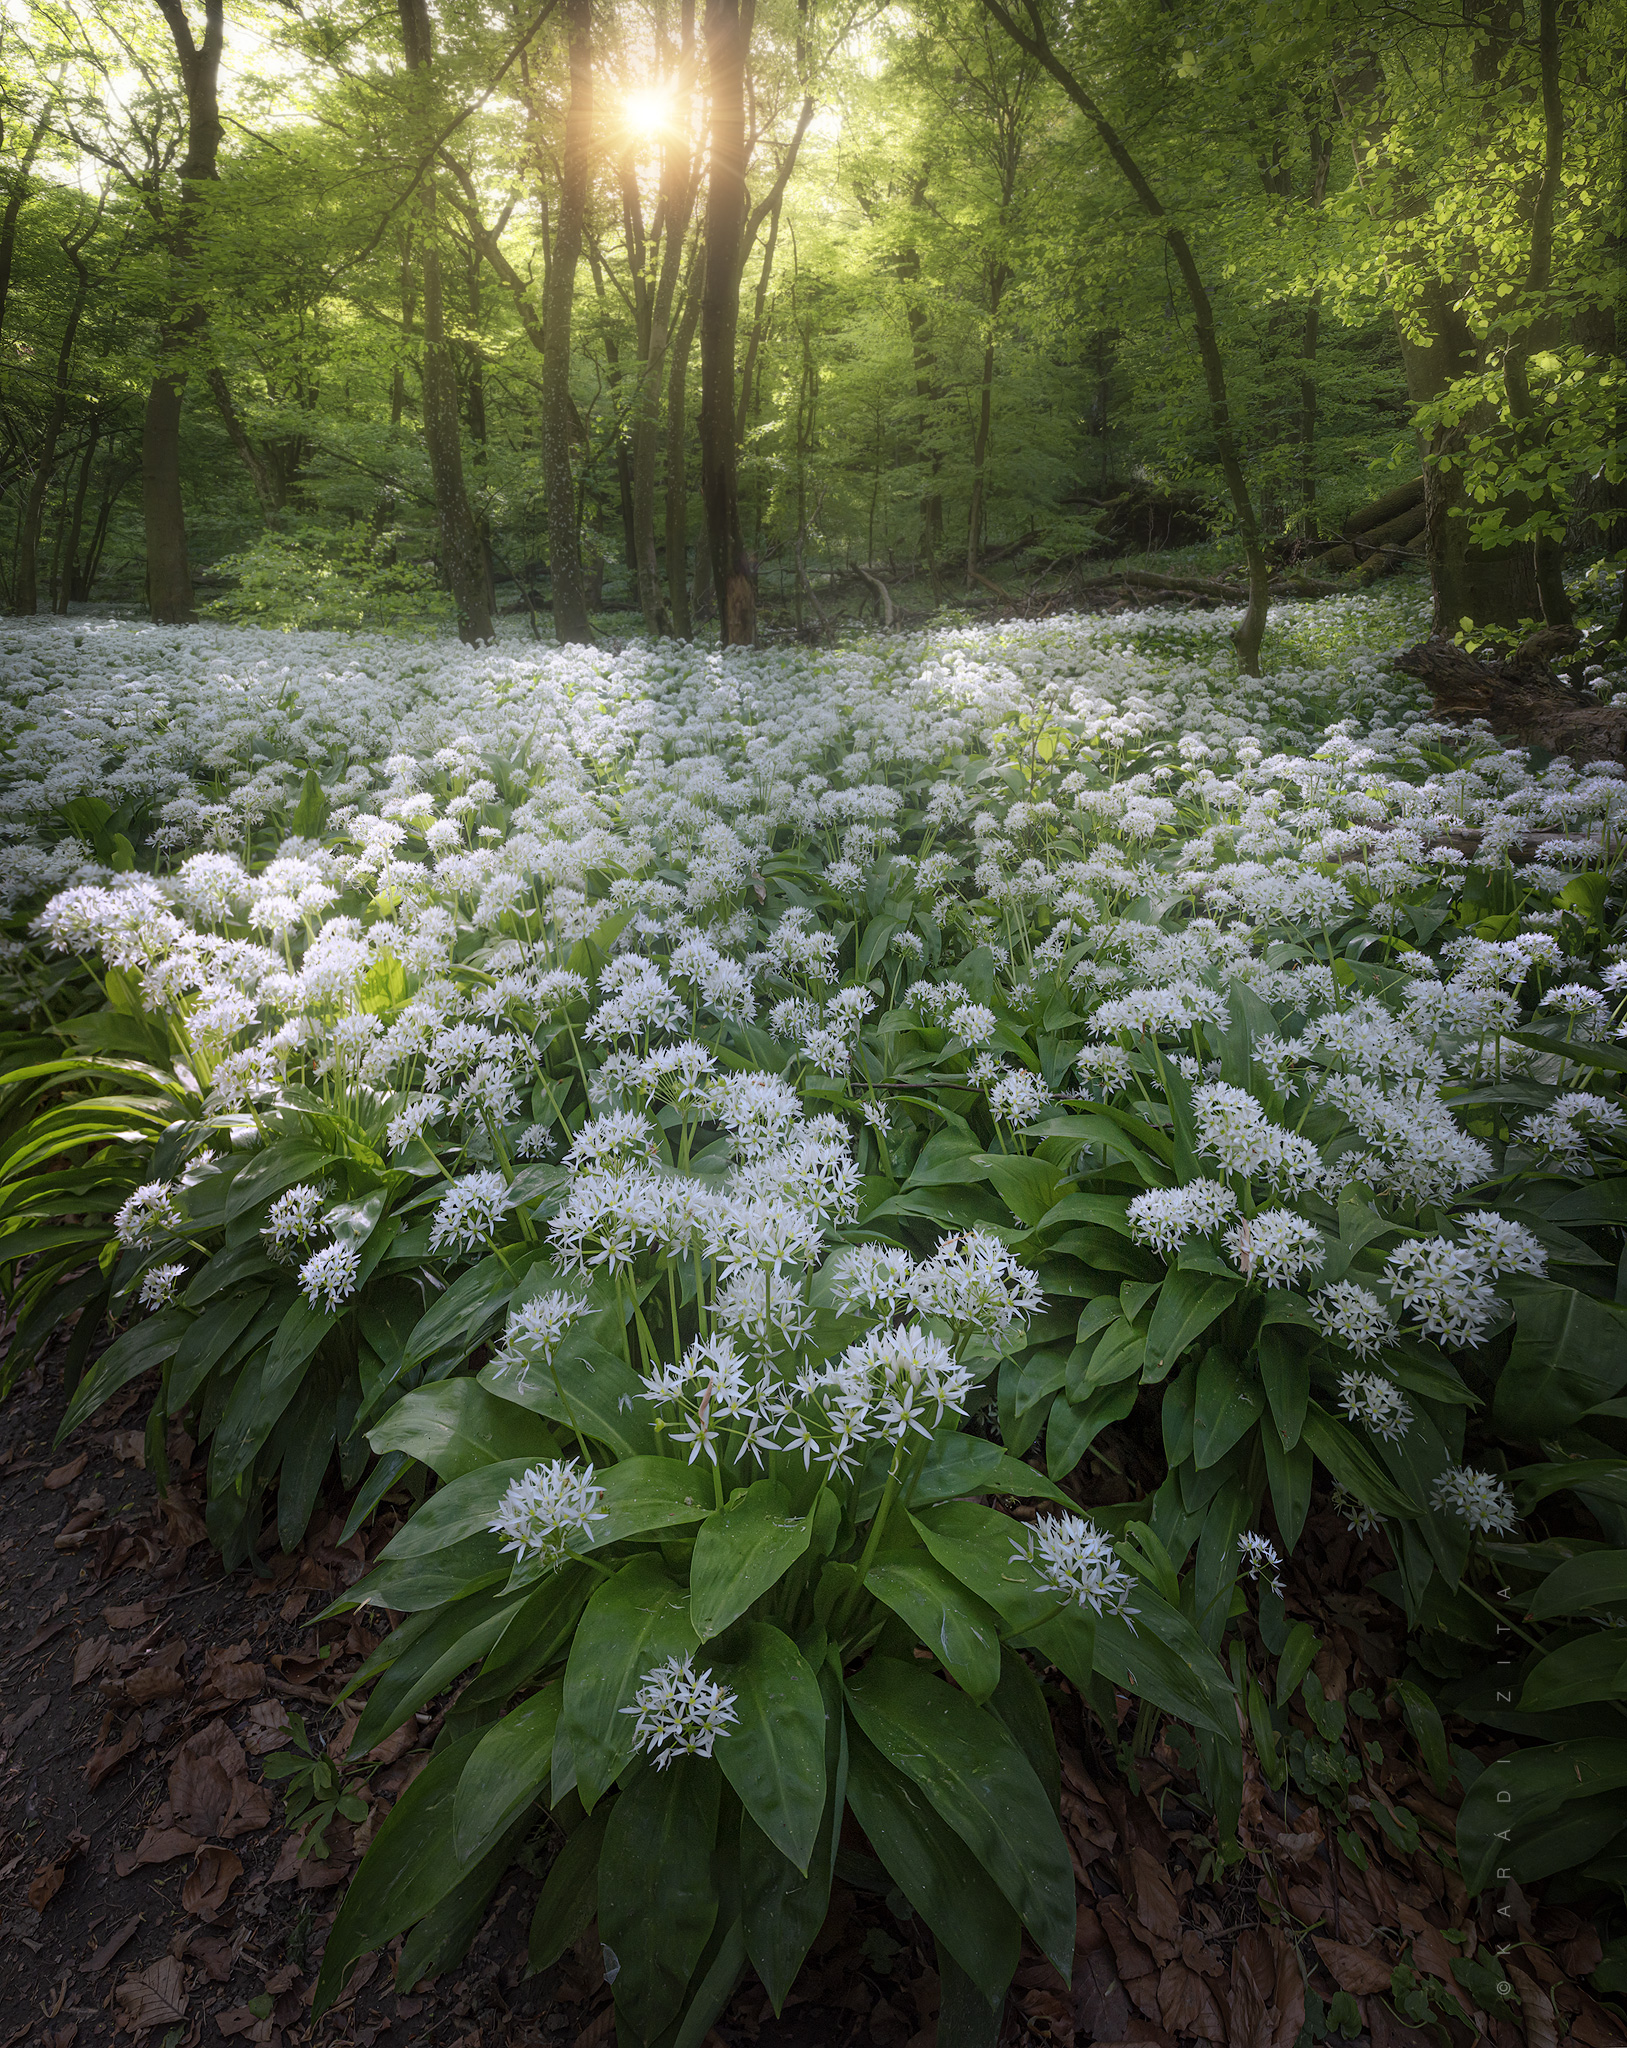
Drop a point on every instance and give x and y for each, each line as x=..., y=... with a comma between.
x=328, y=1277
x=1358, y=1518
x=680, y=1711
x=293, y=1217
x=618, y=1138
x=469, y=1212
x=1166, y=1217
x=1233, y=1128
x=535, y=1331
x=1078, y=1563
x=1018, y=1097
x=1482, y=1499
x=1354, y=1317
x=1371, y=1399
x=1259, y=1557
x=1274, y=1247
x=147, y=1215
x=159, y=1285
x=876, y=1277
x=1443, y=1286
x=413, y=1121
x=1503, y=1246
x=545, y=1509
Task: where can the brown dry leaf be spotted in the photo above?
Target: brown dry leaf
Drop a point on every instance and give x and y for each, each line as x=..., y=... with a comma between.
x=118, y=1618
x=1536, y=2010
x=65, y=1475
x=1135, y=1966
x=1289, y=1989
x=183, y=1525
x=154, y=1997
x=229, y=1671
x=158, y=1844
x=1154, y=1900
x=1198, y=1955
x=200, y=1778
x=1186, y=2005
x=90, y=1654
x=1581, y=1955
x=129, y=1446
x=266, y=1728
x=237, y=2019
x=20, y=1722
x=1356, y=1970
x=157, y=1677
x=110, y=1948
x=210, y=1880
x=112, y=1754
x=48, y=1878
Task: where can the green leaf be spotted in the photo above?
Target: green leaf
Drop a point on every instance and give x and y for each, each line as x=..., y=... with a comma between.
x=783, y=1908
x=464, y=1314
x=454, y=1638
x=1596, y=1579
x=981, y=1784
x=1285, y=1373
x=956, y=1465
x=1228, y=1406
x=464, y=1507
x=961, y=1631
x=633, y=1623
x=1350, y=1463
x=278, y=1167
x=1569, y=1353
x=1594, y=1667
x=774, y=1752
x=405, y=1873
x=456, y=1427
x=141, y=1347
x=1187, y=1304
x=975, y=1545
x=657, y=1902
x=570, y=1894
x=933, y=1868
x=298, y=1335
x=1073, y=1426
x=741, y=1550
x=1541, y=1810
x=506, y=1774
x=591, y=1390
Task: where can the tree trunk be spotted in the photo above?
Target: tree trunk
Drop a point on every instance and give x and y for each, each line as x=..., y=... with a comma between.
x=733, y=572
x=25, y=584
x=68, y=589
x=677, y=493
x=14, y=203
x=262, y=478
x=1251, y=630
x=564, y=550
x=461, y=556
x=169, y=573
x=980, y=451
x=907, y=265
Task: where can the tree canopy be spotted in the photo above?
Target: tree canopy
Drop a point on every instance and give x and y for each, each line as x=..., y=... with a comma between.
x=322, y=313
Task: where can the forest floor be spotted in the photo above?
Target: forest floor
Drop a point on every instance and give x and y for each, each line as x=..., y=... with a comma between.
x=152, y=1889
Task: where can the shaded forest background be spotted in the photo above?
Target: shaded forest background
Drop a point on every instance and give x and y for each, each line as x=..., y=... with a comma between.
x=338, y=315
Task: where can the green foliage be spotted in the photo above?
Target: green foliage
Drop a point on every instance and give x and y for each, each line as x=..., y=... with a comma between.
x=317, y=579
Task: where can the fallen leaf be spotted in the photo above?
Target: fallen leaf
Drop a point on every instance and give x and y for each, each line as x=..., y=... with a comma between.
x=24, y=1718
x=1186, y=2005
x=1582, y=1954
x=48, y=1878
x=110, y=1948
x=118, y=1618
x=266, y=1728
x=1154, y=1900
x=1536, y=2010
x=237, y=2019
x=112, y=1754
x=200, y=1778
x=154, y=1997
x=212, y=1952
x=183, y=1525
x=157, y=1845
x=228, y=1671
x=129, y=1446
x=210, y=1880
x=43, y=1634
x=65, y=1475
x=90, y=1654
x=1353, y=1969
x=157, y=1677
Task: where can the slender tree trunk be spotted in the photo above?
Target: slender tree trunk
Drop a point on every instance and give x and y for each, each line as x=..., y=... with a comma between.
x=980, y=453
x=25, y=584
x=14, y=202
x=262, y=478
x=461, y=555
x=1307, y=416
x=564, y=549
x=169, y=572
x=677, y=492
x=924, y=359
x=1251, y=631
x=68, y=589
x=733, y=571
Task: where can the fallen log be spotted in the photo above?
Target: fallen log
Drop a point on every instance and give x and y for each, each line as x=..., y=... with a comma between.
x=1392, y=536
x=884, y=597
x=1520, y=698
x=1382, y=510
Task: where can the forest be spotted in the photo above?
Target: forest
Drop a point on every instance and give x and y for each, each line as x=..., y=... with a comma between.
x=813, y=976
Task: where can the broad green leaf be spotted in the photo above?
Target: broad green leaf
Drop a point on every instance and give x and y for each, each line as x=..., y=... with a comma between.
x=456, y=1637
x=1073, y=1426
x=1542, y=1810
x=275, y=1169
x=507, y=1772
x=407, y=1870
x=961, y=1631
x=980, y=1782
x=1594, y=1667
x=456, y=1427
x=632, y=1624
x=957, y=1464
x=975, y=1545
x=1596, y=1579
x=416, y=1583
x=570, y=1893
x=1569, y=1353
x=1228, y=1406
x=741, y=1550
x=466, y=1311
x=1350, y=1463
x=773, y=1753
x=1187, y=1304
x=933, y=1867
x=1285, y=1373
x=591, y=1391
x=210, y=1340
x=467, y=1506
x=783, y=1909
x=298, y=1335
x=657, y=1902
x=145, y=1344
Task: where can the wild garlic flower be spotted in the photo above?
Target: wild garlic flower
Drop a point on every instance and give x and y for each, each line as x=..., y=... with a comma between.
x=973, y=1283
x=536, y=1141
x=1442, y=1285
x=413, y=1121
x=1482, y=1499
x=159, y=1285
x=548, y=1512
x=1018, y=1097
x=328, y=1278
x=1259, y=1558
x=872, y=1277
x=756, y=1109
x=534, y=1332
x=1357, y=1516
x=1501, y=1245
x=972, y=1023
x=1234, y=1129
x=895, y=1383
x=469, y=1212
x=147, y=1215
x=680, y=1711
x=1274, y=1248
x=1078, y=1563
x=618, y=1138
x=1354, y=1317
x=1166, y=1217
x=1377, y=1403
x=294, y=1217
